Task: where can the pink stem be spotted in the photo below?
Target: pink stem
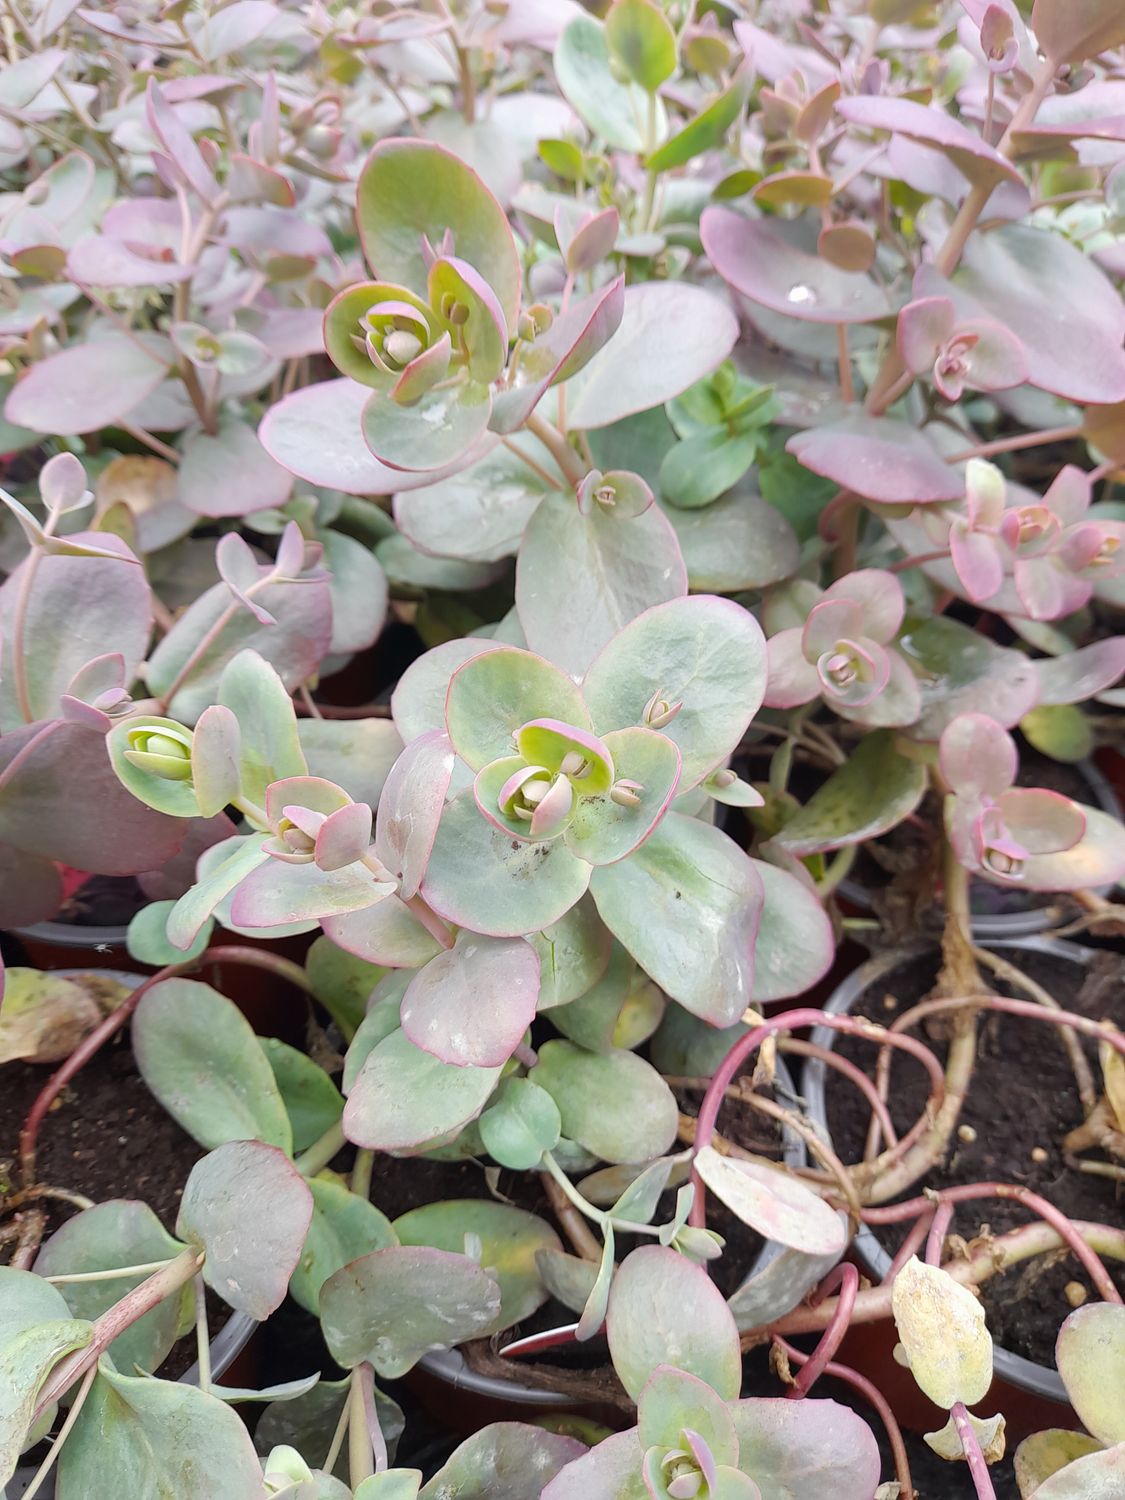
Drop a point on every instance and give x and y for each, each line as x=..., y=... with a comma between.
x=853, y=1075
x=876, y=1398
x=939, y=1228
x=846, y=1277
x=535, y=1343
x=978, y=1464
x=894, y=1213
x=792, y=1020
x=910, y=1246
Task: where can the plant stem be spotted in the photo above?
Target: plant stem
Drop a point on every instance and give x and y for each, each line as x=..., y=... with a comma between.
x=19, y=629
x=202, y=1335
x=64, y=1432
x=846, y=1277
x=338, y=1437
x=361, y=1464
x=557, y=446
x=978, y=1464
x=430, y=920
x=1037, y=439
x=321, y=1152
x=117, y=1273
x=361, y=1172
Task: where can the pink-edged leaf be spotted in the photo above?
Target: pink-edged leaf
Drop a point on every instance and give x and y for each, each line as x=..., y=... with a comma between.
x=977, y=756
x=472, y=1005
x=923, y=326
x=343, y=837
x=90, y=385
x=778, y=1206
x=100, y=260
x=177, y=140
x=828, y=621
x=977, y=559
x=229, y=473
x=977, y=161
x=1043, y=822
x=880, y=598
x=612, y=1467
x=806, y=1450
x=1070, y=30
x=313, y=792
x=757, y=261
x=854, y=673
x=879, y=458
x=317, y=434
x=572, y=340
x=997, y=361
x=277, y=893
x=215, y=750
x=1047, y=590
x=793, y=679
x=62, y=484
x=899, y=701
x=240, y=571
x=1081, y=674
x=388, y=934
x=250, y=1209
x=410, y=808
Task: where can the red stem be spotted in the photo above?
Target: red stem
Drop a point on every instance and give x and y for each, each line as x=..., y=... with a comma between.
x=876, y=1398
x=792, y=1020
x=978, y=1464
x=846, y=1277
x=939, y=1228
x=910, y=1246
x=894, y=1213
x=853, y=1075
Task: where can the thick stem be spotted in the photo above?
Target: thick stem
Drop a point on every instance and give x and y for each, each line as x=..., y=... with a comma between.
x=321, y=1152
x=202, y=1335
x=361, y=1459
x=978, y=1464
x=19, y=630
x=64, y=1432
x=430, y=920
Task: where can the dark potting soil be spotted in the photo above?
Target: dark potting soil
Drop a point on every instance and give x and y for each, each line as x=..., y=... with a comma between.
x=103, y=901
x=106, y=1137
x=1021, y=1103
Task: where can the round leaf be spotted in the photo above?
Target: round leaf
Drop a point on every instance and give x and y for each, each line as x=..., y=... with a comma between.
x=613, y=1103
x=1090, y=1355
x=343, y=1227
x=406, y=1098
x=471, y=1005
x=496, y=692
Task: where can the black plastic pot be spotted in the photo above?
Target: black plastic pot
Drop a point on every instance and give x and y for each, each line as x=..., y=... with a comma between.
x=1032, y=1396
x=482, y=1399
x=1011, y=924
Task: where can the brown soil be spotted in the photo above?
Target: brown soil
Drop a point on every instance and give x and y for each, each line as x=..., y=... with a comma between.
x=105, y=1138
x=1023, y=1100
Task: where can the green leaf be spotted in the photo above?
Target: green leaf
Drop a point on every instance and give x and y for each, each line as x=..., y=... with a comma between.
x=601, y=830
x=199, y=1056
x=35, y=1332
x=703, y=652
x=498, y=691
x=392, y=1306
x=521, y=1124
x=1090, y=1355
x=343, y=1227
x=664, y=1309
x=594, y=1307
x=591, y=1019
x=611, y=109
x=483, y=879
x=872, y=792
x=504, y=1461
x=405, y=1098
x=1045, y=1453
x=795, y=944
x=342, y=983
x=573, y=954
x=438, y=429
x=707, y=130
x=411, y=188
x=673, y=1400
x=510, y=1239
x=249, y=1208
x=613, y=1103
x=961, y=672
x=112, y=1234
x=642, y=42
x=176, y=798
x=147, y=938
x=193, y=910
x=391, y=1484
x=270, y=748
x=617, y=567
x=737, y=542
x=1060, y=730
x=311, y=1099
x=136, y=1436
x=687, y=905
x=704, y=466
x=1097, y=1476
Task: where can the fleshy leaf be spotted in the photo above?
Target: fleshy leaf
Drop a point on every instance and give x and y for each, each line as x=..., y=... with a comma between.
x=312, y=1101
x=510, y=1240
x=89, y=385
x=687, y=905
x=471, y=1005
x=663, y=1309
x=497, y=692
x=807, y=1449
x=872, y=792
x=405, y=1098
x=613, y=1103
x=941, y=1326
x=778, y=1206
x=1090, y=1355
x=603, y=831
x=1045, y=1453
x=392, y=1306
x=410, y=808
x=343, y=1226
x=503, y=1461
x=1097, y=1476
x=249, y=1208
x=880, y=458
x=522, y=1122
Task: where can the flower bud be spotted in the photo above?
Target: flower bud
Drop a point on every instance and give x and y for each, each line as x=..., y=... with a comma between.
x=162, y=750
x=658, y=711
x=626, y=793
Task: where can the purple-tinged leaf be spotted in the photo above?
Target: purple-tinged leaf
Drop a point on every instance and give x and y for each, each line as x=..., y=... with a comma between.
x=977, y=757
x=344, y=837
x=388, y=933
x=662, y=1306
x=806, y=1450
x=977, y=161
x=405, y=1099
x=880, y=458
x=1070, y=30
x=249, y=1208
x=230, y=474
x=613, y=1103
x=611, y=1469
x=471, y=1005
x=793, y=679
x=1041, y=821
x=317, y=434
x=441, y=430
x=177, y=140
x=641, y=366
x=89, y=385
x=755, y=260
x=215, y=749
x=1082, y=674
x=277, y=893
x=410, y=808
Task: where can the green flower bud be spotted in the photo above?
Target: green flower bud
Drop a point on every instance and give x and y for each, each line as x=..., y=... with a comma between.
x=162, y=749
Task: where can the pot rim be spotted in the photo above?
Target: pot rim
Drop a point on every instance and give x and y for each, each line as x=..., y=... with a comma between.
x=1041, y=1380
x=1014, y=924
x=449, y=1364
